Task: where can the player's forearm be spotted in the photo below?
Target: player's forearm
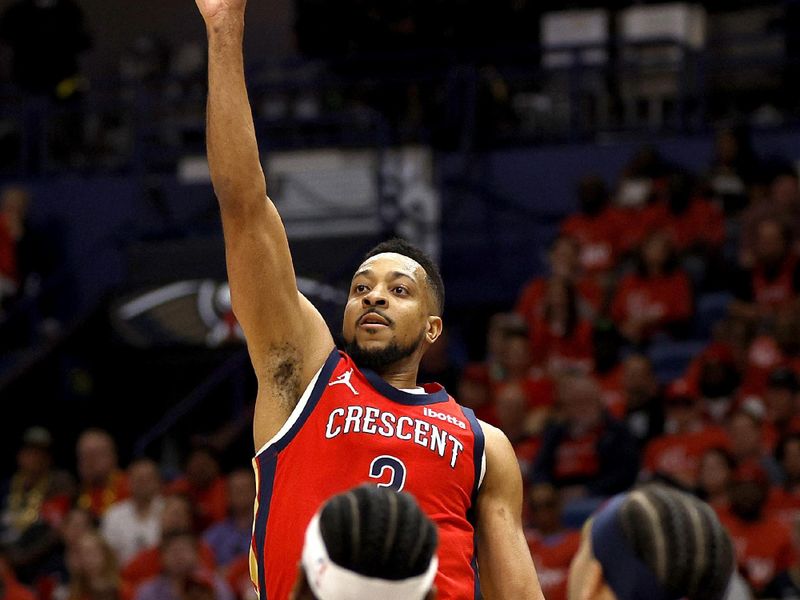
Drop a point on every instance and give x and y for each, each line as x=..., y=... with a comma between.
x=232, y=147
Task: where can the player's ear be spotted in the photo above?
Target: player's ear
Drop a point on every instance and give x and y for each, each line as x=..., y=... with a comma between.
x=433, y=329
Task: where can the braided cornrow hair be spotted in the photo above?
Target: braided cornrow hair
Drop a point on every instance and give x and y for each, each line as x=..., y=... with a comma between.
x=378, y=533
x=680, y=539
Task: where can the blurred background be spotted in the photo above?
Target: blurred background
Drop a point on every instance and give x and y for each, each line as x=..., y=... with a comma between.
x=611, y=190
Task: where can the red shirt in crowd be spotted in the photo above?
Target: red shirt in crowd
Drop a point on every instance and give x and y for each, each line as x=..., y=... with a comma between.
x=702, y=223
x=634, y=224
x=763, y=548
x=556, y=352
x=532, y=300
x=597, y=236
x=576, y=457
x=148, y=564
x=678, y=455
x=778, y=292
x=8, y=253
x=666, y=299
x=552, y=556
x=211, y=503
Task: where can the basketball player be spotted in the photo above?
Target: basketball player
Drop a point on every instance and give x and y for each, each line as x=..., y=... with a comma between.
x=368, y=543
x=653, y=543
x=327, y=421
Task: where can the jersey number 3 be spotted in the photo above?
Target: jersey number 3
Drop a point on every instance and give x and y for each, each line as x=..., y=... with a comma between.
x=396, y=468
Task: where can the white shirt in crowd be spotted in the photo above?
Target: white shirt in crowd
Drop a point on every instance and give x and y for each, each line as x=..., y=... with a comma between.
x=127, y=532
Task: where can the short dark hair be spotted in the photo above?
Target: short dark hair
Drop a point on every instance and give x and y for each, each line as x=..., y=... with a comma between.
x=379, y=533
x=434, y=278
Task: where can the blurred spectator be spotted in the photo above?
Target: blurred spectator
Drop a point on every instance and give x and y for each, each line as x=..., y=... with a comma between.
x=781, y=400
x=785, y=500
x=733, y=169
x=676, y=455
x=35, y=502
x=587, y=456
x=204, y=486
x=132, y=525
x=595, y=227
x=437, y=365
x=561, y=340
x=102, y=482
x=786, y=585
x=521, y=421
x=233, y=536
x=655, y=298
x=763, y=544
x=714, y=377
x=781, y=203
x=183, y=575
x=10, y=588
x=564, y=260
x=177, y=516
x=97, y=576
x=747, y=442
x=643, y=409
x=552, y=546
x=773, y=282
x=64, y=565
x=695, y=224
x=46, y=38
x=14, y=203
x=714, y=479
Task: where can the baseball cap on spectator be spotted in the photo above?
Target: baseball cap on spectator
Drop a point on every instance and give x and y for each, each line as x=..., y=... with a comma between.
x=750, y=472
x=37, y=437
x=785, y=379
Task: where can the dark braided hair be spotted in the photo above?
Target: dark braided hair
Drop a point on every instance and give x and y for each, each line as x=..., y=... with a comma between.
x=680, y=539
x=401, y=246
x=378, y=533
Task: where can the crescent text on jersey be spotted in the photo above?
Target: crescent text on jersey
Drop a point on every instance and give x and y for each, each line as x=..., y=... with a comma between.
x=369, y=420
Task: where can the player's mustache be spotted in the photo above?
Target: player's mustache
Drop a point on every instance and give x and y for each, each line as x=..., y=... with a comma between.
x=377, y=312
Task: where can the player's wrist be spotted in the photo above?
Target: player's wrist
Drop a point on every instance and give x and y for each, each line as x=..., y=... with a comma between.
x=227, y=27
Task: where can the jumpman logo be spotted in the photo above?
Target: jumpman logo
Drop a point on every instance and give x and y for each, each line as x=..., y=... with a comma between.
x=344, y=379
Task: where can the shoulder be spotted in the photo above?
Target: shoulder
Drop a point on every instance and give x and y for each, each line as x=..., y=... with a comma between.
x=501, y=461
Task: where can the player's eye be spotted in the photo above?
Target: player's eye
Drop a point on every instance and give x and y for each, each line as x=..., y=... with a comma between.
x=360, y=288
x=400, y=290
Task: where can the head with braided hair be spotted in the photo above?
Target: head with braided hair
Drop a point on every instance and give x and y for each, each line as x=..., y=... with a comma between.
x=653, y=543
x=368, y=542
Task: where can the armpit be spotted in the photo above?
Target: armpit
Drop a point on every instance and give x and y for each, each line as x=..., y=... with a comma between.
x=283, y=374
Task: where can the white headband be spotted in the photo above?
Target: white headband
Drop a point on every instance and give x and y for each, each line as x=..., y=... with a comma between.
x=329, y=581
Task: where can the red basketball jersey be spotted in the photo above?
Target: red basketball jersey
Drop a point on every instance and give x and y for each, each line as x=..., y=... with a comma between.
x=351, y=427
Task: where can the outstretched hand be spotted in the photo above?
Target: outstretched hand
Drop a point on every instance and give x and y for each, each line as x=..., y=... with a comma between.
x=216, y=10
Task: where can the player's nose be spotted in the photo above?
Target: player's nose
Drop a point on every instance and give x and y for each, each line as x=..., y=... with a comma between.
x=375, y=297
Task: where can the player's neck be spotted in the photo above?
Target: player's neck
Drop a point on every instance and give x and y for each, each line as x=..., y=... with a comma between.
x=401, y=375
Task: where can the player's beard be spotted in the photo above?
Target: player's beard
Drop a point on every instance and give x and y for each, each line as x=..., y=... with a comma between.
x=380, y=359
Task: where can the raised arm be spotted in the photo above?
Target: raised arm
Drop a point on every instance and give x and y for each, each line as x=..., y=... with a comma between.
x=286, y=336
x=504, y=560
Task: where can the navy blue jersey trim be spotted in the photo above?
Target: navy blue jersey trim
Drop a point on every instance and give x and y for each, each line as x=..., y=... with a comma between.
x=401, y=397
x=479, y=445
x=266, y=473
x=478, y=448
x=313, y=399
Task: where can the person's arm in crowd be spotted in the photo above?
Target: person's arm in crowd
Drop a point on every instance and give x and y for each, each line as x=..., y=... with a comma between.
x=287, y=338
x=504, y=560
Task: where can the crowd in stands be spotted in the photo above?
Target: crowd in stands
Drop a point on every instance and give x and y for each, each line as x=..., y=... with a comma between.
x=663, y=344
x=123, y=534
